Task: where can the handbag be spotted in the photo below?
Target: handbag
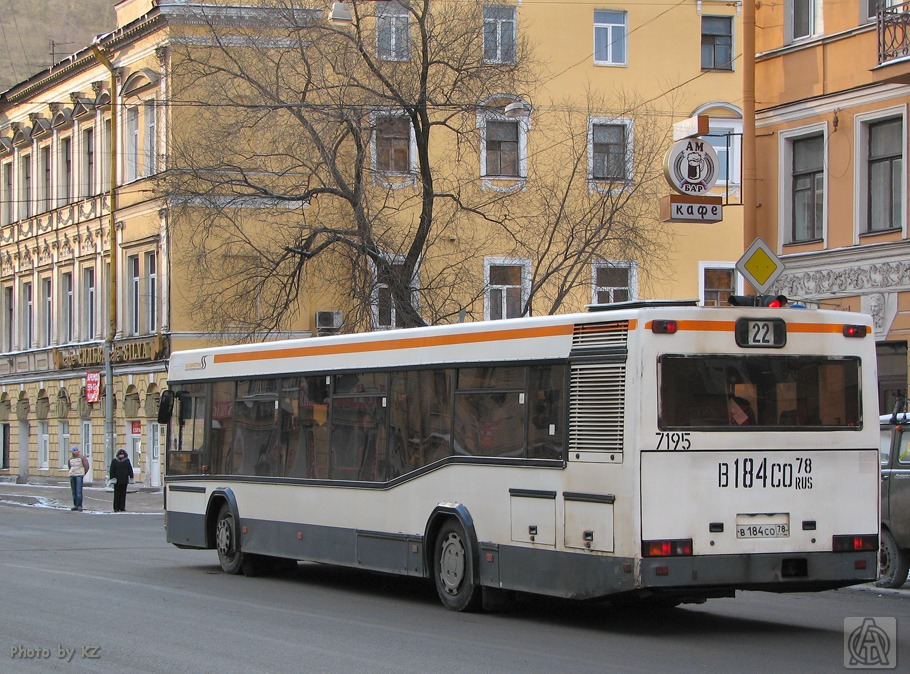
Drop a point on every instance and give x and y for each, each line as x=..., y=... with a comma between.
x=132, y=481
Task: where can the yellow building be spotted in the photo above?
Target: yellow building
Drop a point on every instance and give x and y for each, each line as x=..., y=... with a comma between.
x=85, y=268
x=832, y=95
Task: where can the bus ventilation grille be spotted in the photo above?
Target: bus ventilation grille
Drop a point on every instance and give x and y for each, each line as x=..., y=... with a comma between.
x=596, y=406
x=600, y=335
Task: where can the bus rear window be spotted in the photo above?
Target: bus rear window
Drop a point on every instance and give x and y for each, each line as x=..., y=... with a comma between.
x=722, y=392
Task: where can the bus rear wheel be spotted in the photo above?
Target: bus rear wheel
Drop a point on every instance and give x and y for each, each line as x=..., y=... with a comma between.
x=893, y=561
x=453, y=567
x=229, y=554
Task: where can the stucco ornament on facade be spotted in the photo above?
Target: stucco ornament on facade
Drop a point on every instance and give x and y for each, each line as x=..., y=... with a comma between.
x=877, y=284
x=818, y=283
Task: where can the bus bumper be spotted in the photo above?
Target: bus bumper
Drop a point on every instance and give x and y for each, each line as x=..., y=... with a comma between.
x=788, y=572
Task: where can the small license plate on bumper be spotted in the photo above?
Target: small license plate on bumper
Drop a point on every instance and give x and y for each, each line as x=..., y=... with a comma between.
x=776, y=525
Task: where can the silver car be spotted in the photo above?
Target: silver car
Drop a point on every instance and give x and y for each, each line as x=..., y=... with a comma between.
x=895, y=534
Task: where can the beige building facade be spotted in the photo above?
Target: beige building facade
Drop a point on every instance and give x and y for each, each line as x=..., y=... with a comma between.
x=84, y=272
x=832, y=161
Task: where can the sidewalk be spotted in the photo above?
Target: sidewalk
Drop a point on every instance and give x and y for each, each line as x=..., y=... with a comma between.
x=97, y=500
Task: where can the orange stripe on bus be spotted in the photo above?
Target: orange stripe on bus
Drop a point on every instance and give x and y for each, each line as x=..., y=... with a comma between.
x=730, y=326
x=395, y=344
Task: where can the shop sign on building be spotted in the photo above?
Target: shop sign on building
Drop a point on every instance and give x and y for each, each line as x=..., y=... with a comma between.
x=131, y=351
x=93, y=387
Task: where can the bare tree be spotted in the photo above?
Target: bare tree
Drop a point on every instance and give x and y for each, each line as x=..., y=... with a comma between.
x=280, y=181
x=579, y=214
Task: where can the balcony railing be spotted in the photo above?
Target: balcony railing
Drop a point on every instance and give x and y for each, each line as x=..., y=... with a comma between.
x=893, y=31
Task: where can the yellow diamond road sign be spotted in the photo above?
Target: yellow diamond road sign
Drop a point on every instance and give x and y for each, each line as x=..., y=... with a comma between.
x=760, y=266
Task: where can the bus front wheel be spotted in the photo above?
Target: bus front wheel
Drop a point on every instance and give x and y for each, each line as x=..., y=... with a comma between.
x=894, y=562
x=453, y=564
x=229, y=554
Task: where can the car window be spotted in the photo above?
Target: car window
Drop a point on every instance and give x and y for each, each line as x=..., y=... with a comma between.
x=904, y=447
x=885, y=444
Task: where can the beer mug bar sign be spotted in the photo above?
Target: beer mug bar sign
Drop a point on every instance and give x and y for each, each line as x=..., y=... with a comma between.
x=691, y=166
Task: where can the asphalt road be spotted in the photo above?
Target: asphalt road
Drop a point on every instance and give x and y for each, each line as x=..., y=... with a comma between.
x=103, y=592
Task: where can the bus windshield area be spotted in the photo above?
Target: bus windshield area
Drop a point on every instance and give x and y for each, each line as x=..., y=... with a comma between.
x=724, y=392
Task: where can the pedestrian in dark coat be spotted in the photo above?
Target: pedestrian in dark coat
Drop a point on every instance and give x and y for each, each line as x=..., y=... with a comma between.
x=120, y=474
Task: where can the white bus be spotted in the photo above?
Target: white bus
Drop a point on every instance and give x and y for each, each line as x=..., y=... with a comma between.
x=653, y=450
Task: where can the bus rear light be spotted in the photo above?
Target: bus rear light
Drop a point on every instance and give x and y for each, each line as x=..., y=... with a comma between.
x=860, y=565
x=664, y=327
x=855, y=330
x=662, y=570
x=678, y=548
x=855, y=543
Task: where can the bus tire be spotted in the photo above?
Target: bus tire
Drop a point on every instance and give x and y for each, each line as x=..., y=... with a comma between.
x=453, y=569
x=229, y=554
x=893, y=561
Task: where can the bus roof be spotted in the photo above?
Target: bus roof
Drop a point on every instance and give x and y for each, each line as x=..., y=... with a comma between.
x=535, y=338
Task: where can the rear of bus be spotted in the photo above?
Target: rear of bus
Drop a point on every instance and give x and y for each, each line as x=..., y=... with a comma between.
x=759, y=454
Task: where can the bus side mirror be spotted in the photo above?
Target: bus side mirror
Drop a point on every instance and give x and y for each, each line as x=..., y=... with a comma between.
x=165, y=406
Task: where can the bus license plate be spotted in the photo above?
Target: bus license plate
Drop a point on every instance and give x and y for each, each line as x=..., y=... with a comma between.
x=763, y=526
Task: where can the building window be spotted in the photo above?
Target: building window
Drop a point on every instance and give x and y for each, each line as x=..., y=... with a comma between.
x=808, y=188
x=499, y=34
x=28, y=318
x=8, y=314
x=393, y=37
x=508, y=286
x=802, y=18
x=151, y=292
x=872, y=8
x=65, y=170
x=105, y=158
x=610, y=150
x=609, y=37
x=47, y=312
x=385, y=309
x=4, y=446
x=8, y=201
x=66, y=308
x=87, y=439
x=45, y=182
x=885, y=174
x=717, y=284
x=134, y=288
x=151, y=138
x=88, y=162
x=44, y=446
x=717, y=43
x=502, y=148
x=725, y=137
x=614, y=281
x=105, y=288
x=88, y=303
x=63, y=443
x=131, y=141
x=25, y=186
x=393, y=144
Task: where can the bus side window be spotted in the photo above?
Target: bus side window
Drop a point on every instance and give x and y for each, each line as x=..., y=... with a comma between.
x=546, y=413
x=188, y=436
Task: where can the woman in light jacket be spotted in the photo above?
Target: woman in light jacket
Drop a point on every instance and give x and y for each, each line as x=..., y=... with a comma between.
x=121, y=473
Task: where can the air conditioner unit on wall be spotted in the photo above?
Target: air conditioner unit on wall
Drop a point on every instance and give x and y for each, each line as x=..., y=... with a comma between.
x=328, y=322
